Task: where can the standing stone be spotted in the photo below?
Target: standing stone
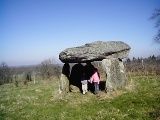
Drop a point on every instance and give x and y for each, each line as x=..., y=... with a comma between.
x=115, y=73
x=64, y=79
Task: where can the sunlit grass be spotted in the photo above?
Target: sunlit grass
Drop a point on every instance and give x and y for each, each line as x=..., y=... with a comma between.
x=140, y=100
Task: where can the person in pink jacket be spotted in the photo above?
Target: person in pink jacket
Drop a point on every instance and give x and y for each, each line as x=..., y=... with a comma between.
x=95, y=78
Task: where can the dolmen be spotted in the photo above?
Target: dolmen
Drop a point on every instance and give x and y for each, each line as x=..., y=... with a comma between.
x=110, y=53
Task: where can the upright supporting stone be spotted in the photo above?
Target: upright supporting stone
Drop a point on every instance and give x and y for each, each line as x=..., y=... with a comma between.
x=114, y=69
x=64, y=79
x=106, y=63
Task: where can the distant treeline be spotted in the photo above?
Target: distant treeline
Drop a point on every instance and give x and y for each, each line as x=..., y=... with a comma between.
x=48, y=68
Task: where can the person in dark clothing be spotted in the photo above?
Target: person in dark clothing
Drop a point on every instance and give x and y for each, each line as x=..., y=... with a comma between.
x=89, y=70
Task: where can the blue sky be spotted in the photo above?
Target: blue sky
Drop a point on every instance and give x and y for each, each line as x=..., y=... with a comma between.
x=34, y=30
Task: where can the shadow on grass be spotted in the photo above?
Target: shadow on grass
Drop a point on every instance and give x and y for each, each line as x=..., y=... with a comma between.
x=2, y=115
x=155, y=115
x=102, y=87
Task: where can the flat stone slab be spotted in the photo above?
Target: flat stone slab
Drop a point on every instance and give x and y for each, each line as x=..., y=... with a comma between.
x=95, y=51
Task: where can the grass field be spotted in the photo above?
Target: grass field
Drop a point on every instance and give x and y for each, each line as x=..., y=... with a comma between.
x=139, y=101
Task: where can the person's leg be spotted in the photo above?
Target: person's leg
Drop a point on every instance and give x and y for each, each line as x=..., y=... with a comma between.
x=97, y=88
x=87, y=87
x=83, y=88
x=96, y=85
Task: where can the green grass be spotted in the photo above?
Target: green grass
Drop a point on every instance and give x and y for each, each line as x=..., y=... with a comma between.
x=140, y=101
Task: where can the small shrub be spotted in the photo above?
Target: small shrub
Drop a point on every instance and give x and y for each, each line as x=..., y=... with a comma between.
x=158, y=72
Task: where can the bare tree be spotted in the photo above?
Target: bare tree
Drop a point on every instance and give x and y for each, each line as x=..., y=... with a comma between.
x=56, y=69
x=46, y=69
x=50, y=68
x=156, y=15
x=5, y=74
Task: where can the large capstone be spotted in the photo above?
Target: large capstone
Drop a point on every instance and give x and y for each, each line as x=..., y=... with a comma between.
x=95, y=51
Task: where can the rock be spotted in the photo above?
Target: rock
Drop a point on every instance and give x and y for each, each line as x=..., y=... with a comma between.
x=115, y=74
x=64, y=79
x=95, y=51
x=74, y=89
